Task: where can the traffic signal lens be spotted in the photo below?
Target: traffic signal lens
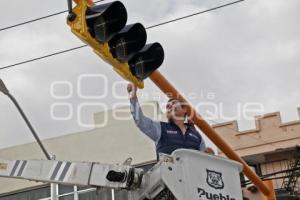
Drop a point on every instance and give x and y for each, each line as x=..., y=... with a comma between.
x=128, y=41
x=105, y=20
x=146, y=61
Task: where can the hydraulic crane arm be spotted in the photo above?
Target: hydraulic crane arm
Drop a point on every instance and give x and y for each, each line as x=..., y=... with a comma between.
x=186, y=174
x=73, y=173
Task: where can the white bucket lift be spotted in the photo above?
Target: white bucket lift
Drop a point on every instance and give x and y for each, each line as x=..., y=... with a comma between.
x=187, y=174
x=193, y=175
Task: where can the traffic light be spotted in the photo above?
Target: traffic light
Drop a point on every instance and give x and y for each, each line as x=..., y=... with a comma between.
x=128, y=41
x=103, y=21
x=103, y=27
x=143, y=63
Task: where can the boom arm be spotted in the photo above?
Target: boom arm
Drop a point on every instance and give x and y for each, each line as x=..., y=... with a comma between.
x=186, y=174
x=73, y=173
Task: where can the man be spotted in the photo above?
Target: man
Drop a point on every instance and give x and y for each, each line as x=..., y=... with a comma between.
x=171, y=135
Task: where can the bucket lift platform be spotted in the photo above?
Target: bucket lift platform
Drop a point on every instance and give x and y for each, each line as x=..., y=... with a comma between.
x=187, y=174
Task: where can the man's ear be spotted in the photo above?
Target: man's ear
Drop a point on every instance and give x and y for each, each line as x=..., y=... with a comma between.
x=185, y=112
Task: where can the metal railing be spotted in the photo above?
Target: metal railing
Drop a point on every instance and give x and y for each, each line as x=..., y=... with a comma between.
x=75, y=193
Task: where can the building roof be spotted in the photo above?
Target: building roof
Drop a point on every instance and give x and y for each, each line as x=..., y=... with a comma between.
x=269, y=135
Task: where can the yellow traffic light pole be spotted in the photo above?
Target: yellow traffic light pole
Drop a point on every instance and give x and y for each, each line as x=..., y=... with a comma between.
x=166, y=87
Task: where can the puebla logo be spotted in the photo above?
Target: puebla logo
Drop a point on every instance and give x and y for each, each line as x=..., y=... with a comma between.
x=214, y=179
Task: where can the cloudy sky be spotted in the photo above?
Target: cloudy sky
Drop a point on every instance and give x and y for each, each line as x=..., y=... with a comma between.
x=245, y=54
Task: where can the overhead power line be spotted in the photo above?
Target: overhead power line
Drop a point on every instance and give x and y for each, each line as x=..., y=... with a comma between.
x=149, y=27
x=43, y=57
x=37, y=19
x=33, y=20
x=194, y=14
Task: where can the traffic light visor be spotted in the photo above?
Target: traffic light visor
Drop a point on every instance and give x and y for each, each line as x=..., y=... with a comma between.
x=105, y=20
x=128, y=41
x=146, y=61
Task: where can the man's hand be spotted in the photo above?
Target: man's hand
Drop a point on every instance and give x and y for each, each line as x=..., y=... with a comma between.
x=131, y=89
x=209, y=151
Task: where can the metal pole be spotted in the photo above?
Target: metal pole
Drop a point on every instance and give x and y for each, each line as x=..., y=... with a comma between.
x=170, y=91
x=29, y=126
x=54, y=191
x=70, y=6
x=54, y=195
x=272, y=195
x=112, y=194
x=76, y=195
x=6, y=92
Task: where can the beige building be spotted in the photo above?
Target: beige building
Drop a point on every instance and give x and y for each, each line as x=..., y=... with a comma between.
x=270, y=148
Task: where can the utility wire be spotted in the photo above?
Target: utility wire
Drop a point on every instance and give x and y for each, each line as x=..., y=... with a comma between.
x=37, y=19
x=149, y=27
x=43, y=57
x=194, y=14
x=33, y=20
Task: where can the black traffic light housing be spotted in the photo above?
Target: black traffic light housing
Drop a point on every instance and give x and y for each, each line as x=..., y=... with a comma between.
x=105, y=20
x=146, y=61
x=128, y=41
x=103, y=27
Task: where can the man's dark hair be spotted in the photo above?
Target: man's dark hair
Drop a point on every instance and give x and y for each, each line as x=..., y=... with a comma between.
x=173, y=98
x=182, y=103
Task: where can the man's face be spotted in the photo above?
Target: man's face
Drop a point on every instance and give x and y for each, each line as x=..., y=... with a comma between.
x=175, y=110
